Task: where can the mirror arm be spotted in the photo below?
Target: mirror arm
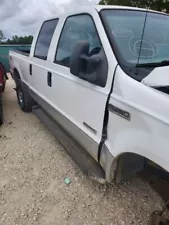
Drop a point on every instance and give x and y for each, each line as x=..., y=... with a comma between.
x=91, y=59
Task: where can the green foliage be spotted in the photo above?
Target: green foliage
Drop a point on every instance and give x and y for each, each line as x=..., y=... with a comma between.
x=15, y=39
x=20, y=40
x=159, y=5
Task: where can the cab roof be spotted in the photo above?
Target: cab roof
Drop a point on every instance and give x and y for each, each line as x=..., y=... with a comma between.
x=101, y=7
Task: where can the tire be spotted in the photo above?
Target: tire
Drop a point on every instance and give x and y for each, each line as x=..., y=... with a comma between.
x=1, y=111
x=24, y=99
x=3, y=90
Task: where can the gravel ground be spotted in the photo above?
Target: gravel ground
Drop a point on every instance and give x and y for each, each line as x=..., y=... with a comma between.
x=33, y=166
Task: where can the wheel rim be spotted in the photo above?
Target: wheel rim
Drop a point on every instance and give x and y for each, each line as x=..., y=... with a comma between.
x=20, y=99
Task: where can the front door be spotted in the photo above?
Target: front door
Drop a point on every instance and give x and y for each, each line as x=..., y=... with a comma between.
x=80, y=105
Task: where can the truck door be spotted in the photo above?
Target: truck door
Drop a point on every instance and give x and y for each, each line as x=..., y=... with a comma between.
x=80, y=105
x=39, y=64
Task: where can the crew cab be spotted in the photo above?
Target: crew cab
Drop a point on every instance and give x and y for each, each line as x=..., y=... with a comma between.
x=100, y=74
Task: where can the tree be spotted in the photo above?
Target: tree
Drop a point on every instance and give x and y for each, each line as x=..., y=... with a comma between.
x=20, y=40
x=16, y=39
x=1, y=36
x=159, y=5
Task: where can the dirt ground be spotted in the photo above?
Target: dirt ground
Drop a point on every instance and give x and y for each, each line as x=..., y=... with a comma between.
x=33, y=167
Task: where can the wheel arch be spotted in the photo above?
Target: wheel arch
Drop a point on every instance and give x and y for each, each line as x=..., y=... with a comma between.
x=123, y=166
x=16, y=73
x=16, y=76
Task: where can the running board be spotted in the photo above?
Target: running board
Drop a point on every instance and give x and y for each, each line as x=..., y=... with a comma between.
x=89, y=166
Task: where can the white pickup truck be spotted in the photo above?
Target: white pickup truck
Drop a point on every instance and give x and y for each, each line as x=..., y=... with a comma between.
x=98, y=77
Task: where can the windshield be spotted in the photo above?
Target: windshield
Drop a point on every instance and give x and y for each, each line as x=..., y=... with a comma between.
x=141, y=37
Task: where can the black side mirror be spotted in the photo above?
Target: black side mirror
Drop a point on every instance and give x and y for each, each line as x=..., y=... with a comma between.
x=76, y=62
x=90, y=66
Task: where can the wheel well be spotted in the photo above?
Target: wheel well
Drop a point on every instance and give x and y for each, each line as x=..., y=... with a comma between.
x=127, y=165
x=16, y=74
x=16, y=77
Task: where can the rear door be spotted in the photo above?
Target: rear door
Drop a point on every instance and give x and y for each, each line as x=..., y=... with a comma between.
x=79, y=105
x=38, y=70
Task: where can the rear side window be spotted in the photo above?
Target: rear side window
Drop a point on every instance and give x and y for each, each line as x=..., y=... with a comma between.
x=77, y=28
x=44, y=39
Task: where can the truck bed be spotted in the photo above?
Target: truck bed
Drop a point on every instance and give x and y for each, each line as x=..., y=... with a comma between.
x=4, y=53
x=21, y=61
x=22, y=52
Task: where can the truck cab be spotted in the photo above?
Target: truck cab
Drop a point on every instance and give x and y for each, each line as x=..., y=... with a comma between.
x=101, y=73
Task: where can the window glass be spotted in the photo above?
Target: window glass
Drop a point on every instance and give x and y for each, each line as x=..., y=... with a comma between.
x=77, y=28
x=44, y=39
x=140, y=37
x=126, y=30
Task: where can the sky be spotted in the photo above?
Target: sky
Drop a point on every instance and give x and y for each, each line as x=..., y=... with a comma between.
x=22, y=17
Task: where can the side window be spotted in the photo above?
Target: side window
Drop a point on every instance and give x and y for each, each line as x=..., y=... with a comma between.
x=76, y=28
x=44, y=39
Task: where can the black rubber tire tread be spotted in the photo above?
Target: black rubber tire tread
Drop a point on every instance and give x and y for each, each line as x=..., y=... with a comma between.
x=28, y=101
x=1, y=111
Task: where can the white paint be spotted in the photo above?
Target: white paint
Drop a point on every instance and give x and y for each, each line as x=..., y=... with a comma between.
x=147, y=132
x=159, y=77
